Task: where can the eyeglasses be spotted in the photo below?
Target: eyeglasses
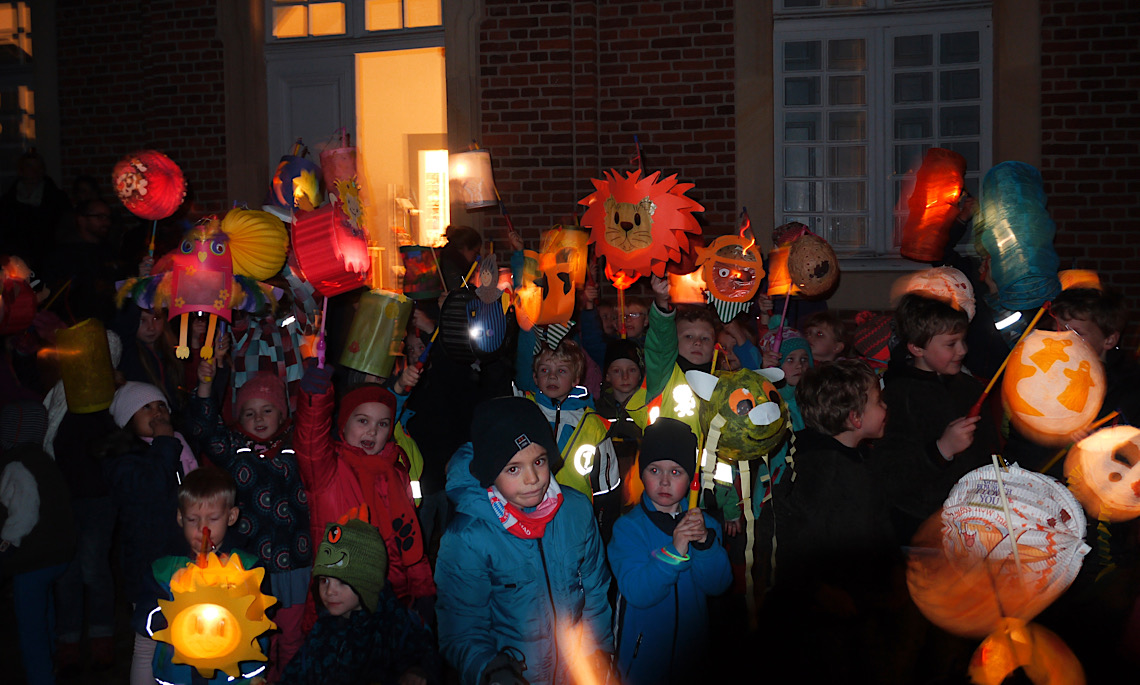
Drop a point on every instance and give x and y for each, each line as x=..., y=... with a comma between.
x=634, y=315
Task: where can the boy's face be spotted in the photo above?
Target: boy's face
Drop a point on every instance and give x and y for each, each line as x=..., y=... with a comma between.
x=608, y=317
x=212, y=514
x=260, y=418
x=666, y=483
x=943, y=353
x=526, y=477
x=624, y=376
x=147, y=421
x=695, y=341
x=339, y=598
x=636, y=320
x=872, y=422
x=794, y=366
x=825, y=347
x=1090, y=333
x=555, y=378
x=368, y=427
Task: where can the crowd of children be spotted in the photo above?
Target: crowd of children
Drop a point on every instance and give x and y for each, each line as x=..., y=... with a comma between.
x=455, y=523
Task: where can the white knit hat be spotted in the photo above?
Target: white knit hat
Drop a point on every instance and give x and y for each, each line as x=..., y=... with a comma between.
x=132, y=397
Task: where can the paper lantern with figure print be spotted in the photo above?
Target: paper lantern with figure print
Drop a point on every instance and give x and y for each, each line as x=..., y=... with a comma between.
x=376, y=337
x=1103, y=472
x=933, y=205
x=1054, y=385
x=149, y=184
x=216, y=614
x=546, y=295
x=331, y=249
x=338, y=163
x=813, y=266
x=1043, y=657
x=472, y=178
x=85, y=366
x=640, y=224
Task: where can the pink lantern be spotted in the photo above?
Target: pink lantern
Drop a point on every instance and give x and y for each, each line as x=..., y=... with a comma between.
x=331, y=251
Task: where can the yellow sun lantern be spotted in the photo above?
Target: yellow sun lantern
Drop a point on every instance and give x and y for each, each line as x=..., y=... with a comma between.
x=217, y=613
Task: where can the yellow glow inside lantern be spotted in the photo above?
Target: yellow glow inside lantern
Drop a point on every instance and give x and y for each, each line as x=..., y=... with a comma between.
x=208, y=631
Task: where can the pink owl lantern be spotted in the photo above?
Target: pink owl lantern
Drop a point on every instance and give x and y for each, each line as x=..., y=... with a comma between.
x=203, y=277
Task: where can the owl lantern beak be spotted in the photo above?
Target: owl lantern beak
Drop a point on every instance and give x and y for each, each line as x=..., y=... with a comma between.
x=201, y=256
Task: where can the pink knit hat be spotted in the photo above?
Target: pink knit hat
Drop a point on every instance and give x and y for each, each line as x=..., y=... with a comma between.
x=266, y=385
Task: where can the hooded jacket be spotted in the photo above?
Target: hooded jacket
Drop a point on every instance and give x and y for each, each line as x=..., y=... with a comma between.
x=498, y=591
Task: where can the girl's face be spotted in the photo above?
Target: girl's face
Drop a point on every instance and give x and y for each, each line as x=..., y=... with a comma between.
x=794, y=366
x=624, y=376
x=260, y=419
x=369, y=427
x=150, y=327
x=151, y=420
x=339, y=598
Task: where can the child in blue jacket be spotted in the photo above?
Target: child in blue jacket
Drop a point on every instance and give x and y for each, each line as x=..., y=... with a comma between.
x=667, y=560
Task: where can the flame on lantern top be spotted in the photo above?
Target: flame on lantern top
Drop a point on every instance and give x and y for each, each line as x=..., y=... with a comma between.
x=622, y=280
x=746, y=225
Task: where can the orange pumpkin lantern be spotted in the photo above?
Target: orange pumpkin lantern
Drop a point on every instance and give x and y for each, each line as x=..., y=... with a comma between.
x=149, y=184
x=566, y=245
x=1054, y=385
x=1044, y=657
x=933, y=205
x=732, y=268
x=1103, y=472
x=546, y=296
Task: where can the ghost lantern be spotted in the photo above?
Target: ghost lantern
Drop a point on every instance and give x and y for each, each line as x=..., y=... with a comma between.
x=933, y=205
x=1103, y=472
x=149, y=184
x=1054, y=385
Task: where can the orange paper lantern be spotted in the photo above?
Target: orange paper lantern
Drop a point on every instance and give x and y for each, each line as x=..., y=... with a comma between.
x=566, y=245
x=933, y=205
x=1044, y=657
x=1054, y=385
x=1103, y=472
x=149, y=183
x=547, y=297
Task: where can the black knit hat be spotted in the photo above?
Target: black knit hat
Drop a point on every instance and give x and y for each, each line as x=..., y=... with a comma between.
x=671, y=439
x=22, y=421
x=624, y=349
x=503, y=427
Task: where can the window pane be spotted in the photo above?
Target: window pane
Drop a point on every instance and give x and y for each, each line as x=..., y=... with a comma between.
x=290, y=22
x=801, y=161
x=959, y=85
x=968, y=150
x=959, y=121
x=326, y=19
x=847, y=90
x=846, y=3
x=914, y=51
x=913, y=123
x=847, y=231
x=909, y=157
x=958, y=48
x=847, y=126
x=847, y=161
x=801, y=126
x=801, y=196
x=798, y=4
x=847, y=54
x=15, y=33
x=847, y=196
x=801, y=55
x=914, y=87
x=423, y=13
x=814, y=223
x=801, y=91
x=382, y=15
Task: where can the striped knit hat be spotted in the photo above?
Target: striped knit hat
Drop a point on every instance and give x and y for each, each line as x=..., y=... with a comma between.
x=23, y=421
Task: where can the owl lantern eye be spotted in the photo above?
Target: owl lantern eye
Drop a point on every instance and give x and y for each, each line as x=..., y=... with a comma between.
x=741, y=401
x=187, y=247
x=218, y=247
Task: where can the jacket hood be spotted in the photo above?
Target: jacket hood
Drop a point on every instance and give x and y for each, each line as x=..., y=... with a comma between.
x=579, y=398
x=463, y=488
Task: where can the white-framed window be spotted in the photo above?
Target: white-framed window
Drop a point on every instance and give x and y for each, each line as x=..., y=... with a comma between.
x=292, y=20
x=862, y=91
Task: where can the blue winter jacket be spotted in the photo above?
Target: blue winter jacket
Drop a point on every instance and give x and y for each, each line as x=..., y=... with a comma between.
x=662, y=617
x=496, y=590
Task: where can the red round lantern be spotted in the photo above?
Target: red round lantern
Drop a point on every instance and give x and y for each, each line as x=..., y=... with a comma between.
x=149, y=183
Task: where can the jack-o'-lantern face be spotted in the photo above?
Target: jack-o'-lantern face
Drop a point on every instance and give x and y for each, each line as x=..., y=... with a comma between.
x=1103, y=472
x=732, y=268
x=629, y=226
x=1054, y=385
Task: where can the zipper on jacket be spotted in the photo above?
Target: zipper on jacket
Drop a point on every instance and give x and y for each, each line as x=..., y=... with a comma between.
x=553, y=607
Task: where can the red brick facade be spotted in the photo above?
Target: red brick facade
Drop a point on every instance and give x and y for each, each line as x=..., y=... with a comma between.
x=557, y=111
x=1090, y=120
x=143, y=74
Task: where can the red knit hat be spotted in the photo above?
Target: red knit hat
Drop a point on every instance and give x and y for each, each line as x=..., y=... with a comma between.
x=266, y=385
x=873, y=336
x=363, y=395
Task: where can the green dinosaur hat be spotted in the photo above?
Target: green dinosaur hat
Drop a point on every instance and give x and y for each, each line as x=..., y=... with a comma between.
x=353, y=552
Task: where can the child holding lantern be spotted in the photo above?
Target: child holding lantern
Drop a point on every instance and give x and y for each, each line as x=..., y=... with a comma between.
x=667, y=561
x=258, y=453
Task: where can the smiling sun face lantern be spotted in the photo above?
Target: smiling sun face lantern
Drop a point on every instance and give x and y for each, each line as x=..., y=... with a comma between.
x=1103, y=472
x=1054, y=385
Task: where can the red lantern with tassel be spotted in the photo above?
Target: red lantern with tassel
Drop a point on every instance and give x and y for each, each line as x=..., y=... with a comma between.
x=149, y=184
x=933, y=205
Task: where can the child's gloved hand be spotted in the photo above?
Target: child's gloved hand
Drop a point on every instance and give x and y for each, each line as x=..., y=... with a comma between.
x=504, y=669
x=316, y=381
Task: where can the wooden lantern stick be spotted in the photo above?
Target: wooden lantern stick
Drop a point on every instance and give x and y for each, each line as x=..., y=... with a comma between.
x=976, y=410
x=1092, y=426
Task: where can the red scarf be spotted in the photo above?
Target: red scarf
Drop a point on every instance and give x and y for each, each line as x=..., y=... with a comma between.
x=398, y=515
x=521, y=524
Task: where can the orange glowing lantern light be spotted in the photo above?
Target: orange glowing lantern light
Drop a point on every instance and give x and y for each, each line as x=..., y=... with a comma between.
x=933, y=205
x=1054, y=385
x=149, y=184
x=1044, y=657
x=546, y=295
x=566, y=245
x=17, y=299
x=1103, y=472
x=331, y=248
x=1079, y=278
x=217, y=613
x=472, y=178
x=688, y=288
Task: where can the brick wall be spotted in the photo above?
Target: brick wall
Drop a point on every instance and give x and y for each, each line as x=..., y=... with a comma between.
x=557, y=112
x=143, y=74
x=1090, y=108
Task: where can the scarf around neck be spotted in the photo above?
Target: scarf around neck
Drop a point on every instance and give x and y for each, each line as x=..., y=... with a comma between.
x=521, y=524
x=397, y=515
